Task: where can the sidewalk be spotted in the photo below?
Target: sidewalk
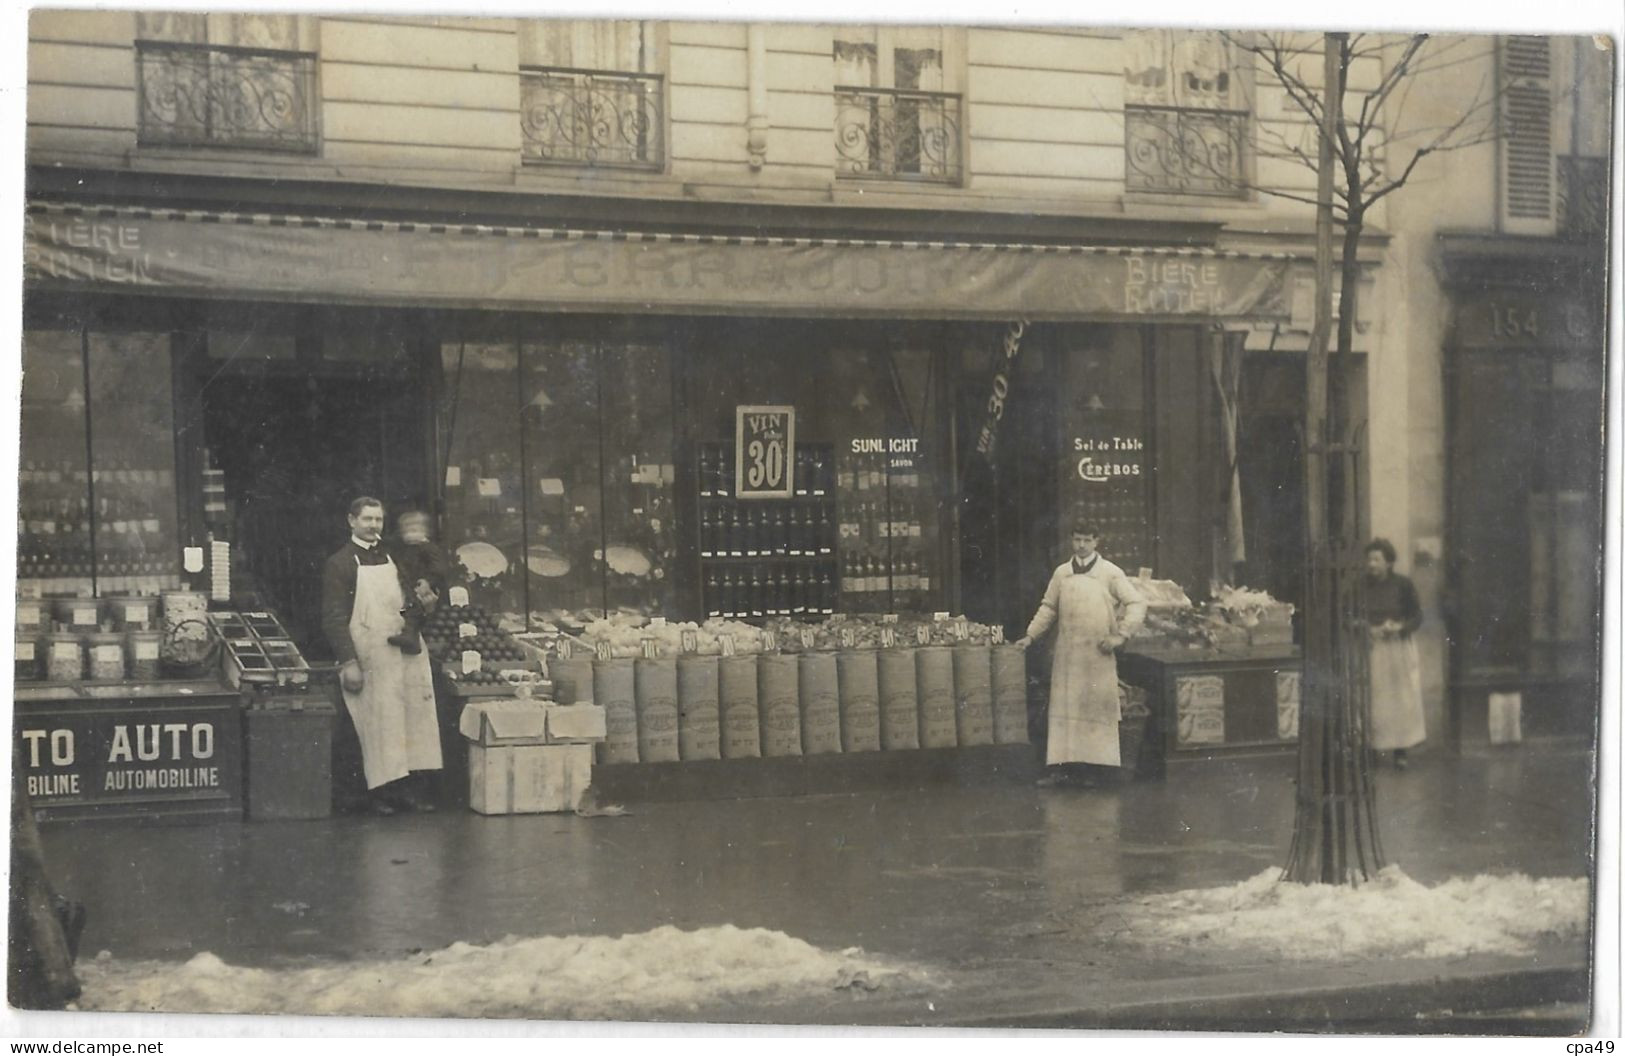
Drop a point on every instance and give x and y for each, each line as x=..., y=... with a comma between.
x=988, y=884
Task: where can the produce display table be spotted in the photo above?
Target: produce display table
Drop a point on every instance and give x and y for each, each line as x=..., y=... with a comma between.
x=1217, y=701
x=171, y=749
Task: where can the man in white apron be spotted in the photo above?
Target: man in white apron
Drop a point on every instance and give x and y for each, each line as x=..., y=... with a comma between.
x=389, y=695
x=1094, y=607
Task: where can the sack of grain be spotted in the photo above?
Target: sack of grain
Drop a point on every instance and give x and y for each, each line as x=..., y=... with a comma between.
x=934, y=670
x=698, y=708
x=741, y=714
x=859, y=678
x=820, y=704
x=614, y=690
x=656, y=695
x=1009, y=670
x=778, y=692
x=572, y=679
x=899, y=699
x=973, y=694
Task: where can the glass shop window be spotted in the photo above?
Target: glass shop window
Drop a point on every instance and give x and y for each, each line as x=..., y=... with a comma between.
x=96, y=477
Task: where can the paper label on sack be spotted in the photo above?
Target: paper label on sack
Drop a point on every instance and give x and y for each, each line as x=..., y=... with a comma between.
x=471, y=661
x=454, y=476
x=467, y=630
x=551, y=485
x=146, y=650
x=490, y=488
x=725, y=642
x=192, y=559
x=458, y=596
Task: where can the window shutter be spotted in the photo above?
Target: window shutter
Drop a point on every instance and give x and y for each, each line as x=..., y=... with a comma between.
x=1528, y=177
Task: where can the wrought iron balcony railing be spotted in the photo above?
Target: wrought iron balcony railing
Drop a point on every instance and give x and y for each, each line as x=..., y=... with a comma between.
x=1172, y=150
x=896, y=134
x=595, y=118
x=1582, y=198
x=203, y=95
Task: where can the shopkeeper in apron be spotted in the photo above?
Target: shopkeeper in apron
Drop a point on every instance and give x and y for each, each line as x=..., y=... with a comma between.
x=1093, y=607
x=388, y=693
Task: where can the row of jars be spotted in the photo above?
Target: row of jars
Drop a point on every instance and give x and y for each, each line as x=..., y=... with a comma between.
x=64, y=655
x=84, y=615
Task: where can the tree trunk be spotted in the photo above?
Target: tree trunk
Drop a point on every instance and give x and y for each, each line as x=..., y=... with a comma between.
x=1334, y=836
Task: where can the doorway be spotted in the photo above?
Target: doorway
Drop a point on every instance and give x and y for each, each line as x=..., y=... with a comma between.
x=296, y=438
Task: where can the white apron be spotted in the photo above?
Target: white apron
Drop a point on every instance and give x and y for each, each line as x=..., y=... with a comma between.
x=1083, y=702
x=1396, y=694
x=394, y=712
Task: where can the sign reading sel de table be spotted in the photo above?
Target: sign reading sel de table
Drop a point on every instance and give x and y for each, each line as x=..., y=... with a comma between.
x=764, y=438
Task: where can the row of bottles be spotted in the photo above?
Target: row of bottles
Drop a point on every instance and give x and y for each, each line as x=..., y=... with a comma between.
x=879, y=582
x=759, y=591
x=56, y=516
x=811, y=477
x=765, y=529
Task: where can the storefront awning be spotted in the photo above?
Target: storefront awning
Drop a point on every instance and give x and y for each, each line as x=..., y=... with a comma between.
x=279, y=257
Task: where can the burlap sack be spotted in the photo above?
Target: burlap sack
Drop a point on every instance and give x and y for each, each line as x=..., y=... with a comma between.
x=698, y=708
x=973, y=694
x=859, y=678
x=741, y=714
x=656, y=694
x=614, y=690
x=1009, y=669
x=778, y=693
x=934, y=670
x=820, y=704
x=899, y=699
x=572, y=679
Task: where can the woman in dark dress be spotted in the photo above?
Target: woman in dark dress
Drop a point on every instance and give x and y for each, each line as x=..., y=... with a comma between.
x=1393, y=614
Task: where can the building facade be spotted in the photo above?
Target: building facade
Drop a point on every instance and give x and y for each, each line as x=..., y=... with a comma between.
x=523, y=274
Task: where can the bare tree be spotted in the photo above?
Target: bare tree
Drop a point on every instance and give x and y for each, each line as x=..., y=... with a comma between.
x=1362, y=150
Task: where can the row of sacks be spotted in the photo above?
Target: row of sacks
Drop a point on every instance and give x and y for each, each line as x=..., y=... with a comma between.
x=670, y=709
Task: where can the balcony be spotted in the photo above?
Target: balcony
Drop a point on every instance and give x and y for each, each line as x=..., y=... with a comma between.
x=202, y=95
x=592, y=118
x=897, y=134
x=1171, y=150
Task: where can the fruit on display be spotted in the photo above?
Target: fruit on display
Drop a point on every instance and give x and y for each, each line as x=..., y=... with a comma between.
x=442, y=633
x=625, y=633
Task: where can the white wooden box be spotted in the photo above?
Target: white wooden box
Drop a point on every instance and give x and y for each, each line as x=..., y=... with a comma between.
x=528, y=778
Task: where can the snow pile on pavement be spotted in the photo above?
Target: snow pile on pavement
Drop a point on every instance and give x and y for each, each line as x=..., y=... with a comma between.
x=570, y=977
x=1391, y=916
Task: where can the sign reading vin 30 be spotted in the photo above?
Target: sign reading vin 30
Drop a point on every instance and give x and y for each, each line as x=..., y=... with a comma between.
x=765, y=444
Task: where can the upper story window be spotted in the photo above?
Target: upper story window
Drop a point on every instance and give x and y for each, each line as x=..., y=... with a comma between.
x=225, y=80
x=590, y=94
x=1185, y=122
x=896, y=117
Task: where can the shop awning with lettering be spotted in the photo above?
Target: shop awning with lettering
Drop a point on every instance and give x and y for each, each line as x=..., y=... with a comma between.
x=329, y=260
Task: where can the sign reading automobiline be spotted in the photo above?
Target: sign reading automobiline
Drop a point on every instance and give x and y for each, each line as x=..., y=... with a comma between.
x=765, y=444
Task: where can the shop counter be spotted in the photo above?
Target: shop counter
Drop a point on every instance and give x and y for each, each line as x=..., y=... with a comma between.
x=1216, y=701
x=171, y=749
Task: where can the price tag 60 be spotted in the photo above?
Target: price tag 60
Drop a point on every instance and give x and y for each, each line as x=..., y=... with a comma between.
x=807, y=637
x=922, y=634
x=690, y=640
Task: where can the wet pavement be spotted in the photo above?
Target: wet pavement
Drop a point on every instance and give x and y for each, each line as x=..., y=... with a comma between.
x=984, y=881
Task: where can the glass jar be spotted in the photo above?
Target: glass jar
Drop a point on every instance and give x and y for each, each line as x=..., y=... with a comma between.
x=28, y=654
x=105, y=653
x=64, y=656
x=142, y=648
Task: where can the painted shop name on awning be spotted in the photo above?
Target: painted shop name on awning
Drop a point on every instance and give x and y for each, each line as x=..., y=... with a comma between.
x=530, y=268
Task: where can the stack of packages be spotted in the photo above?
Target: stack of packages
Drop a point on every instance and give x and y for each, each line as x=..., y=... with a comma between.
x=680, y=692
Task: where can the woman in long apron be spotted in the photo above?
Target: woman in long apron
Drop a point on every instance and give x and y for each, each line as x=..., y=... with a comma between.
x=1393, y=614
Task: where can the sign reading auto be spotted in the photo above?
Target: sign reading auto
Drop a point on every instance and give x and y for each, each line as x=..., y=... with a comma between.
x=90, y=757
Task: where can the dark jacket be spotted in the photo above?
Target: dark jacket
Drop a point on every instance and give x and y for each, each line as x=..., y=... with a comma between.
x=421, y=561
x=338, y=595
x=1393, y=598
